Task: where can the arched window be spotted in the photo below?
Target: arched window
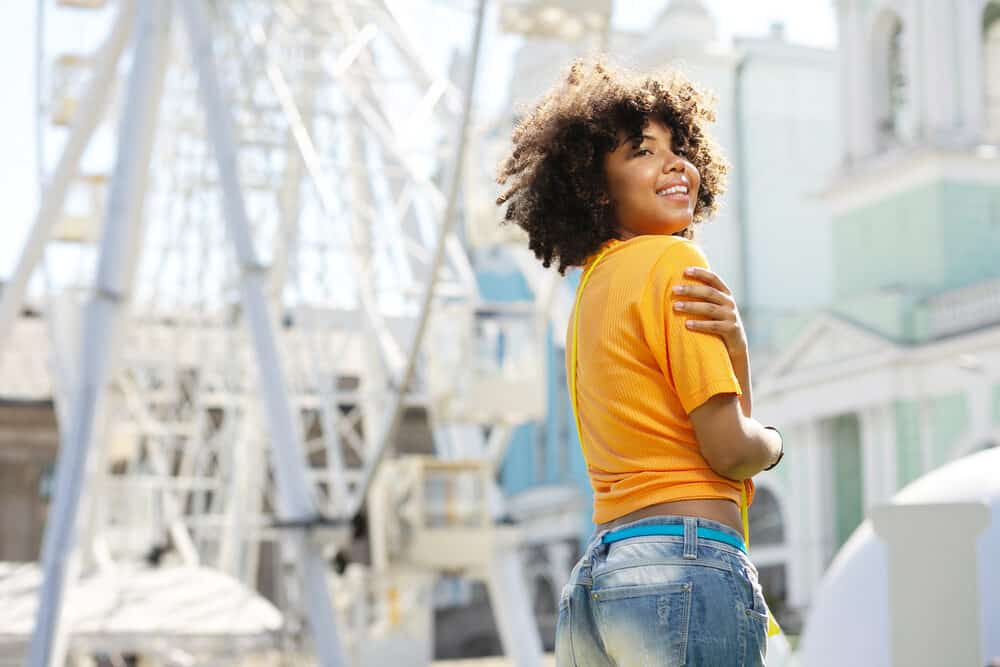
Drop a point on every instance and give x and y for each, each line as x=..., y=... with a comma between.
x=991, y=70
x=767, y=527
x=770, y=553
x=893, y=125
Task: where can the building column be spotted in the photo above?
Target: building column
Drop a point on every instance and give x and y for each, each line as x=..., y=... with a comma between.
x=926, y=435
x=969, y=48
x=845, y=81
x=855, y=83
x=941, y=92
x=981, y=407
x=921, y=634
x=980, y=427
x=810, y=517
x=913, y=45
x=878, y=454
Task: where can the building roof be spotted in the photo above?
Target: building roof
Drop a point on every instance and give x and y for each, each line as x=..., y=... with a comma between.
x=685, y=22
x=195, y=610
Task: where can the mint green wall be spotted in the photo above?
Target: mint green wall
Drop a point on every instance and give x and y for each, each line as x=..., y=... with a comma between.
x=909, y=463
x=893, y=242
x=847, y=475
x=932, y=237
x=886, y=312
x=949, y=420
x=972, y=215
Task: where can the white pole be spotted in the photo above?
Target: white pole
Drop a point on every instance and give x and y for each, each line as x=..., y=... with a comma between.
x=388, y=433
x=295, y=502
x=122, y=228
x=89, y=113
x=946, y=632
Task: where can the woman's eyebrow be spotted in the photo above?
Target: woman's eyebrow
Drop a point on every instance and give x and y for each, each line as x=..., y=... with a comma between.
x=637, y=139
x=644, y=137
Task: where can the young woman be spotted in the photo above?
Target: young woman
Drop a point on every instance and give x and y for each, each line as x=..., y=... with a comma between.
x=612, y=172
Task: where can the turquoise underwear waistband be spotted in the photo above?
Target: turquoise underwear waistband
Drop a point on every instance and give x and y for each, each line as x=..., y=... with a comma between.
x=673, y=529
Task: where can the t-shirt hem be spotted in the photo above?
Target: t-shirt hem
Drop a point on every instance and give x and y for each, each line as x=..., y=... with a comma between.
x=707, y=391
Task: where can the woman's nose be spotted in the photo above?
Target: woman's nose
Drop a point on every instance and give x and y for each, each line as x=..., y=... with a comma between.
x=673, y=163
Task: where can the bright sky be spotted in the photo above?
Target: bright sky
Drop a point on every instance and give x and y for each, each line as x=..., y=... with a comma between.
x=806, y=21
x=18, y=182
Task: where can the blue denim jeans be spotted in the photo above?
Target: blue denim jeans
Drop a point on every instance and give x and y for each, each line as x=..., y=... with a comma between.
x=662, y=600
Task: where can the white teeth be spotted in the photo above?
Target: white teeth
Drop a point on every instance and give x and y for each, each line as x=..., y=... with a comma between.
x=674, y=189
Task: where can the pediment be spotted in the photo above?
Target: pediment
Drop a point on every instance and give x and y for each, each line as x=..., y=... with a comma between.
x=827, y=340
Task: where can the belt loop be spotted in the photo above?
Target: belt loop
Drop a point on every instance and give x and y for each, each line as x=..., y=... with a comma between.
x=690, y=538
x=596, y=550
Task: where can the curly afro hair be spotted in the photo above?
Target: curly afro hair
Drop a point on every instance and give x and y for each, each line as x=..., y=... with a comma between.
x=557, y=189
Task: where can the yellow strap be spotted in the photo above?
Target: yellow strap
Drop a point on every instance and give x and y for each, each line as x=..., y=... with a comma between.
x=572, y=360
x=772, y=625
x=745, y=514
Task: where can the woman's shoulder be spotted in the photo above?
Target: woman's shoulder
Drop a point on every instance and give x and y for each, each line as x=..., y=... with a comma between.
x=661, y=250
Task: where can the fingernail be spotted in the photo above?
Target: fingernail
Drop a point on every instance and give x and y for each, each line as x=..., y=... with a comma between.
x=689, y=271
x=679, y=290
x=679, y=306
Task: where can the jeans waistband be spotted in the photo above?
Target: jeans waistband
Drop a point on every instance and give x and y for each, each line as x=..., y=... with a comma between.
x=673, y=529
x=692, y=528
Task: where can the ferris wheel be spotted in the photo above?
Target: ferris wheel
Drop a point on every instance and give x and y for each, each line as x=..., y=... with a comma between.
x=264, y=324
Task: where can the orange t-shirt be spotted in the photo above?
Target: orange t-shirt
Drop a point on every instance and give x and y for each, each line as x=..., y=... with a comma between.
x=640, y=373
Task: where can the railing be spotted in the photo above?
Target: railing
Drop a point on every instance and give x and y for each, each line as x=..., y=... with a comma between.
x=964, y=309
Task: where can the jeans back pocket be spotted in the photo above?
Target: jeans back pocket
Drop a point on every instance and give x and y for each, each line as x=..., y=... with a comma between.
x=645, y=624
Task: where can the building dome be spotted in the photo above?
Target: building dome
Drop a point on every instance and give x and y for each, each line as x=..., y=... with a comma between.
x=685, y=22
x=848, y=623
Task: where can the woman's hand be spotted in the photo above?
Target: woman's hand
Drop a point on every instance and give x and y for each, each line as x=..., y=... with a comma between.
x=712, y=300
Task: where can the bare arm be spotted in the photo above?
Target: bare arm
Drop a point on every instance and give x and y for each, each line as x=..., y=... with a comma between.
x=734, y=445
x=741, y=366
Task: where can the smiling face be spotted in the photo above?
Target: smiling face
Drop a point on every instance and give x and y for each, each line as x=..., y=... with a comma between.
x=653, y=187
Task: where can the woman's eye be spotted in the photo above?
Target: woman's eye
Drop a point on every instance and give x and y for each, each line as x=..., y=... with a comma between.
x=643, y=151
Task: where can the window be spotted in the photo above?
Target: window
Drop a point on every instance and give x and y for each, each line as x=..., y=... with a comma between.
x=774, y=582
x=890, y=94
x=847, y=476
x=991, y=70
x=766, y=524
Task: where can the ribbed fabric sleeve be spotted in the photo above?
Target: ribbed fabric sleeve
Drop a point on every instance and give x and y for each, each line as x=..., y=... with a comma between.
x=697, y=365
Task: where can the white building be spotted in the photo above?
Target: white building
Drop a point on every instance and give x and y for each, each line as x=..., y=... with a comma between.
x=901, y=374
x=861, y=234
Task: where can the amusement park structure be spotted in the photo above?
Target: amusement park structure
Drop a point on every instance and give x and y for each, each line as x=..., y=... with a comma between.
x=273, y=371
